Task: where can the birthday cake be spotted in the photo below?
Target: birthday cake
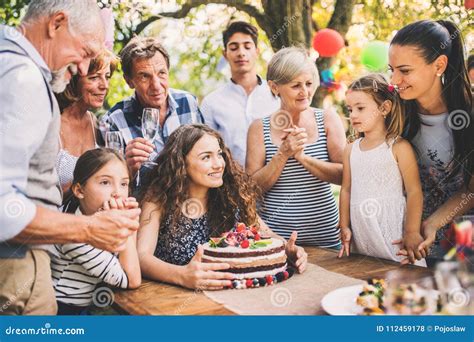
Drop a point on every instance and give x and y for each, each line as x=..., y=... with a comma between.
x=254, y=260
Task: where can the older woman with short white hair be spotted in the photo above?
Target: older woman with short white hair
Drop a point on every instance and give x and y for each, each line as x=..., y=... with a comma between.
x=296, y=153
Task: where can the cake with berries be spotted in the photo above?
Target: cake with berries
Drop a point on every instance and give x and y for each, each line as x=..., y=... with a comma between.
x=254, y=260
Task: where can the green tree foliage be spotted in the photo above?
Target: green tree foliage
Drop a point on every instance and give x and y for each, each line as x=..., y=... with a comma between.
x=11, y=11
x=191, y=31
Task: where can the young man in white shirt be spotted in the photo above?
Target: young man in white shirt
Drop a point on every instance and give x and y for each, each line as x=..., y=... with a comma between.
x=231, y=108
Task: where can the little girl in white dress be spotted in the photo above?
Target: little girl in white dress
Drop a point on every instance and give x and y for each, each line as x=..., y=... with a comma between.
x=381, y=199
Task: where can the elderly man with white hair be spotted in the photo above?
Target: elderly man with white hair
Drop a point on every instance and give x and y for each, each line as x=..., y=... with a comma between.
x=56, y=39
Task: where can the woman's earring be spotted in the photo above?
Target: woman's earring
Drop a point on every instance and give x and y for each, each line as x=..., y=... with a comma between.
x=442, y=78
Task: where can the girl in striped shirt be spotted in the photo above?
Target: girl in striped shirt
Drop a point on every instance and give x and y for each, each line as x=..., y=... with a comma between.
x=101, y=182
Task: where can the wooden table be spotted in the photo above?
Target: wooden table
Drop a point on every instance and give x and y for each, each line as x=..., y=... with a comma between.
x=154, y=298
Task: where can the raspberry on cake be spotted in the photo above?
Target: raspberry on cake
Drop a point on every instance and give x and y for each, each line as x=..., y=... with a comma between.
x=251, y=257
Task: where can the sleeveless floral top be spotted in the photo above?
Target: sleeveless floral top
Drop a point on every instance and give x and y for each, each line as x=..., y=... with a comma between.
x=177, y=245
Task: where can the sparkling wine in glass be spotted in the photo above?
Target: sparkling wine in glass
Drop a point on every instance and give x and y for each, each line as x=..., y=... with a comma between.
x=150, y=125
x=114, y=141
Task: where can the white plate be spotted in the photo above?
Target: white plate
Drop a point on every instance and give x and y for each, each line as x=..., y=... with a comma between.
x=342, y=302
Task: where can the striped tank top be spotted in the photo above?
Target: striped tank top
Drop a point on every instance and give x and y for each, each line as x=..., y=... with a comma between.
x=299, y=201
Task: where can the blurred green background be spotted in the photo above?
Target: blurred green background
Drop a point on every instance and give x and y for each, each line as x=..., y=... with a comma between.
x=192, y=32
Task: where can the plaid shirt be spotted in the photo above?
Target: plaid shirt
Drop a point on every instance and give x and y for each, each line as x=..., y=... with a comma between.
x=126, y=117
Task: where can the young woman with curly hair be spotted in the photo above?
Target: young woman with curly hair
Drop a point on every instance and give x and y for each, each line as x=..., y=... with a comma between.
x=195, y=192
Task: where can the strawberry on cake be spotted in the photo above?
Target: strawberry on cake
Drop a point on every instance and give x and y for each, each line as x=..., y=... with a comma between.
x=254, y=260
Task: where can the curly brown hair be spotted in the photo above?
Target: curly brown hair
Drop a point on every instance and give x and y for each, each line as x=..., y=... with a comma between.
x=168, y=186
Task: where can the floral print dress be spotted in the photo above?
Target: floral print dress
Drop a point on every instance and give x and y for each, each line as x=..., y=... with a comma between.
x=434, y=145
x=177, y=245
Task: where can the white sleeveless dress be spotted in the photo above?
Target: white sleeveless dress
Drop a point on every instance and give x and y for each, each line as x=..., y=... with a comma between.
x=66, y=162
x=377, y=203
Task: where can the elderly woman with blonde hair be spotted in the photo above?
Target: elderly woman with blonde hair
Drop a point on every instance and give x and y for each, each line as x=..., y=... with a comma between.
x=295, y=153
x=79, y=131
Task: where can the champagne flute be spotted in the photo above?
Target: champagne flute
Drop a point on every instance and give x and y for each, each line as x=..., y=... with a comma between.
x=114, y=141
x=150, y=126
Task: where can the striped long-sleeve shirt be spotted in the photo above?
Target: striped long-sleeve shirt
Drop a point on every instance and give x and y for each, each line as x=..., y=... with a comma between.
x=77, y=269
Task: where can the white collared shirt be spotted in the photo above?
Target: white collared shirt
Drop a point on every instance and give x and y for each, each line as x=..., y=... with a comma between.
x=230, y=111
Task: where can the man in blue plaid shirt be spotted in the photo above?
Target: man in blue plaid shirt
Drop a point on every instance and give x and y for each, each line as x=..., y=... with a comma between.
x=145, y=64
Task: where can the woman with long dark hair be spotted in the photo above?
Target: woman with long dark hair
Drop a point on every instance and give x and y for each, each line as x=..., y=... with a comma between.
x=429, y=70
x=196, y=191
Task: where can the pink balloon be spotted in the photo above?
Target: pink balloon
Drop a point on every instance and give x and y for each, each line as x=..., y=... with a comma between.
x=328, y=42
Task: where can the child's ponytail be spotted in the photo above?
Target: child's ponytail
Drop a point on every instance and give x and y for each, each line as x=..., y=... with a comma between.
x=70, y=202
